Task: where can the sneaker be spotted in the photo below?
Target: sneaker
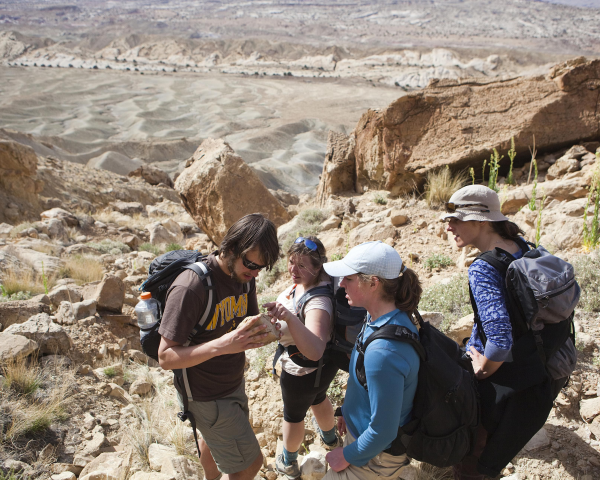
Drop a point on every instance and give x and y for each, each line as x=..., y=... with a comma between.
x=328, y=446
x=290, y=471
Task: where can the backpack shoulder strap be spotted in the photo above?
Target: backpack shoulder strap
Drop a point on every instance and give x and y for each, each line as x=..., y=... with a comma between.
x=319, y=291
x=396, y=332
x=204, y=274
x=389, y=332
x=500, y=260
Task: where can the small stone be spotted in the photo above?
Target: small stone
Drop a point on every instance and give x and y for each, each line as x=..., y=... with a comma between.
x=64, y=476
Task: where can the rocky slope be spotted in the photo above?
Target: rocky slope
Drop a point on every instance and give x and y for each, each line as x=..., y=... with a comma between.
x=121, y=407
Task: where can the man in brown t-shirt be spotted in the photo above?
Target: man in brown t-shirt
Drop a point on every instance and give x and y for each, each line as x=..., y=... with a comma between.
x=214, y=360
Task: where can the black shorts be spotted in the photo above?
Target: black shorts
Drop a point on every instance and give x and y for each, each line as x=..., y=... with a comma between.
x=299, y=393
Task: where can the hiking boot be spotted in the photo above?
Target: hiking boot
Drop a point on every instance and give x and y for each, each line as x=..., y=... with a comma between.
x=291, y=471
x=328, y=446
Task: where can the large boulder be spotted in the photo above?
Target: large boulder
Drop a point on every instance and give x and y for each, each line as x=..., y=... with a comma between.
x=20, y=311
x=164, y=232
x=64, y=293
x=50, y=337
x=153, y=175
x=110, y=294
x=113, y=465
x=67, y=218
x=339, y=169
x=459, y=124
x=217, y=188
x=13, y=347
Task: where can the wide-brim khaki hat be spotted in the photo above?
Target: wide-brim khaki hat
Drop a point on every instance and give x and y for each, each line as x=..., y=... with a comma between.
x=474, y=202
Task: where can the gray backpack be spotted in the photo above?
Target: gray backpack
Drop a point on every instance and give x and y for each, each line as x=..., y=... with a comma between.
x=542, y=296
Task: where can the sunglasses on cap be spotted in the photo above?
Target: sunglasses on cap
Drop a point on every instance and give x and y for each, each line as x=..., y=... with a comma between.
x=312, y=246
x=251, y=265
x=452, y=207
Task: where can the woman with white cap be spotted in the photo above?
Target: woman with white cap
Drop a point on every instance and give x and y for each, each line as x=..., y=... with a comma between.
x=375, y=278
x=515, y=399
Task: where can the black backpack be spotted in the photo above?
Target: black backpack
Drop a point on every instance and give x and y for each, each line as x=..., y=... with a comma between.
x=348, y=321
x=161, y=274
x=542, y=296
x=445, y=415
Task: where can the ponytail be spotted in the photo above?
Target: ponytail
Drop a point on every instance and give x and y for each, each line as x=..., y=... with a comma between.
x=405, y=290
x=507, y=230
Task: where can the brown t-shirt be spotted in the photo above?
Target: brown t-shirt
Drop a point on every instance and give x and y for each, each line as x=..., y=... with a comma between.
x=185, y=305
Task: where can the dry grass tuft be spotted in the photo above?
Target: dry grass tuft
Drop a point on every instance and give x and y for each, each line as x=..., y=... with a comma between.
x=20, y=378
x=19, y=228
x=156, y=420
x=33, y=398
x=82, y=268
x=14, y=281
x=442, y=184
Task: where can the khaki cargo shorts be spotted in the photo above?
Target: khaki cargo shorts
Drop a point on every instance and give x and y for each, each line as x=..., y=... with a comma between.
x=382, y=465
x=226, y=429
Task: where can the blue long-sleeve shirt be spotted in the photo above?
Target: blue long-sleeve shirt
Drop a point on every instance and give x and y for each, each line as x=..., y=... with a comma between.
x=391, y=367
x=489, y=291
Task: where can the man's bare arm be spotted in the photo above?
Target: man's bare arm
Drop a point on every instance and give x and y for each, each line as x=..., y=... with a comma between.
x=173, y=355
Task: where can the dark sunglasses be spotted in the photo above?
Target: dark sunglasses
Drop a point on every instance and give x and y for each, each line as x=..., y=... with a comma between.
x=251, y=265
x=452, y=207
x=312, y=246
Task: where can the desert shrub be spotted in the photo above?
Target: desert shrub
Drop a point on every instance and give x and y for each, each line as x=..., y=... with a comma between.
x=308, y=222
x=260, y=356
x=109, y=246
x=269, y=277
x=442, y=184
x=110, y=372
x=437, y=260
x=262, y=299
x=336, y=256
x=587, y=271
x=82, y=268
x=173, y=246
x=19, y=228
x=380, y=199
x=451, y=299
x=336, y=392
x=148, y=247
x=591, y=233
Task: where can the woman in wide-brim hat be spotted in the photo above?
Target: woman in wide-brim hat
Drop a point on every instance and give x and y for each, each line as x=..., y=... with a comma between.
x=515, y=401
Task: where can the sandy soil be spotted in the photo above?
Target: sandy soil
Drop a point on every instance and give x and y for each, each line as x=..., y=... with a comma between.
x=278, y=124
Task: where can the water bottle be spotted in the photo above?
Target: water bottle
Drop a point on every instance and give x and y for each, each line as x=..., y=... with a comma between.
x=147, y=312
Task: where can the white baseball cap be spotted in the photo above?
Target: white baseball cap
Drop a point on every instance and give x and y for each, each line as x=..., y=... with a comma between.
x=370, y=258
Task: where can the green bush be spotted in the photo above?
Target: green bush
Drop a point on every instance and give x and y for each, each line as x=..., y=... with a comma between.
x=110, y=372
x=148, y=247
x=451, y=299
x=380, y=199
x=437, y=260
x=109, y=246
x=269, y=277
x=308, y=223
x=587, y=271
x=173, y=246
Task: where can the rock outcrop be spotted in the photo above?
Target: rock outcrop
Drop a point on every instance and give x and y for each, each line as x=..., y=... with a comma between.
x=339, y=169
x=153, y=175
x=19, y=185
x=50, y=337
x=217, y=188
x=459, y=124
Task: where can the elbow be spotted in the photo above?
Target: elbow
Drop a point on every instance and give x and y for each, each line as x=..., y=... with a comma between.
x=317, y=353
x=163, y=361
